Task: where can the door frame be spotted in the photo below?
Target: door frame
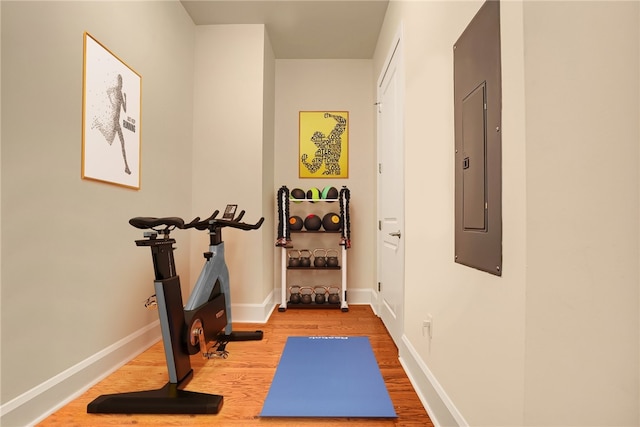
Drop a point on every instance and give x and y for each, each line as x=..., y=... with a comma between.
x=396, y=46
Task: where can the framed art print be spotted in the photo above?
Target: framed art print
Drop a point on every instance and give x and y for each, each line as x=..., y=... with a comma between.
x=323, y=144
x=111, y=96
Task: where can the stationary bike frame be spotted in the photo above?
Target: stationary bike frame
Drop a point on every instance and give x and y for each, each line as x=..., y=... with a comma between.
x=185, y=330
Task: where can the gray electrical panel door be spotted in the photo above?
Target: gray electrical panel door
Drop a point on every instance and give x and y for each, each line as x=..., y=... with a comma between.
x=474, y=147
x=478, y=153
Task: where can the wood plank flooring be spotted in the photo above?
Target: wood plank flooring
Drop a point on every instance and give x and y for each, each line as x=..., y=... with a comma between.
x=245, y=376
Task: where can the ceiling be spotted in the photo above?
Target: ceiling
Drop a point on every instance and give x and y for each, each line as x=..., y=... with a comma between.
x=302, y=29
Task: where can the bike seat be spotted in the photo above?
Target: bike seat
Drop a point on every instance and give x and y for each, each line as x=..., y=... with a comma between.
x=145, y=222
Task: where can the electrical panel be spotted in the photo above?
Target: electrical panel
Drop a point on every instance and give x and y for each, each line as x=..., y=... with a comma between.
x=478, y=142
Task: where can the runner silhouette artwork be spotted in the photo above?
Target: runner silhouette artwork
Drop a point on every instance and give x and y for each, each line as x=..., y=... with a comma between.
x=329, y=148
x=109, y=122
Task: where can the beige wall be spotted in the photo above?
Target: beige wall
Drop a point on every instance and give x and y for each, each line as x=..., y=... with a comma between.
x=581, y=85
x=333, y=85
x=73, y=280
x=554, y=340
x=229, y=166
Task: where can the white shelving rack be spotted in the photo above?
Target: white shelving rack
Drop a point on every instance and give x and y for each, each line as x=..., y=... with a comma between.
x=292, y=240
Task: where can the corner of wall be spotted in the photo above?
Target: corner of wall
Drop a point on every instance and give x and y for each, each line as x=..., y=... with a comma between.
x=268, y=166
x=1, y=185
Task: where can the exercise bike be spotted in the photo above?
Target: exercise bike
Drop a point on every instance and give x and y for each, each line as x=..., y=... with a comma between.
x=186, y=330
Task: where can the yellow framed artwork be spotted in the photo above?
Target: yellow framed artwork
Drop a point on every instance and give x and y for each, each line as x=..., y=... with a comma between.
x=324, y=144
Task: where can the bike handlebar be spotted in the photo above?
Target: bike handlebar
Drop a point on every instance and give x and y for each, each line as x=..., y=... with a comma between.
x=209, y=223
x=202, y=225
x=239, y=217
x=235, y=224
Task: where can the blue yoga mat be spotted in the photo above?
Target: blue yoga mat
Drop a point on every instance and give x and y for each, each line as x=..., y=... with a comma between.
x=328, y=377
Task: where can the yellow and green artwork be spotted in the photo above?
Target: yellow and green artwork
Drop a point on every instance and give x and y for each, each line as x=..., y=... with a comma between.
x=324, y=144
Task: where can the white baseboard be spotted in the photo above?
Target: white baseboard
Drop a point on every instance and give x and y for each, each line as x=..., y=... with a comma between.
x=361, y=297
x=254, y=313
x=41, y=401
x=439, y=406
x=375, y=302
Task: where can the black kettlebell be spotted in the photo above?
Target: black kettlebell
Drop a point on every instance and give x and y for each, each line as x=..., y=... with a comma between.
x=319, y=257
x=305, y=258
x=294, y=298
x=332, y=257
x=320, y=292
x=305, y=297
x=334, y=296
x=294, y=258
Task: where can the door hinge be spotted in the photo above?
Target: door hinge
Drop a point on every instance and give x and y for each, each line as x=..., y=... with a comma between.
x=379, y=225
x=379, y=286
x=379, y=167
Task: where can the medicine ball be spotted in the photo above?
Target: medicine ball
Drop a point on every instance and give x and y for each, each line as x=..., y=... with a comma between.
x=329, y=193
x=295, y=223
x=313, y=194
x=312, y=222
x=331, y=222
x=296, y=194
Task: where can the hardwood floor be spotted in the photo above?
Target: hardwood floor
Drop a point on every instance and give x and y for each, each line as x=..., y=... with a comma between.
x=245, y=376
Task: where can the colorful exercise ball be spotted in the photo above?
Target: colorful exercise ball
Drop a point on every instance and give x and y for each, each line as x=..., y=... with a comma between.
x=296, y=195
x=312, y=222
x=329, y=193
x=295, y=223
x=331, y=222
x=313, y=194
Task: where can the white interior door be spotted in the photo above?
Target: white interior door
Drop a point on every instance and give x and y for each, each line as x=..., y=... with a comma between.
x=391, y=195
